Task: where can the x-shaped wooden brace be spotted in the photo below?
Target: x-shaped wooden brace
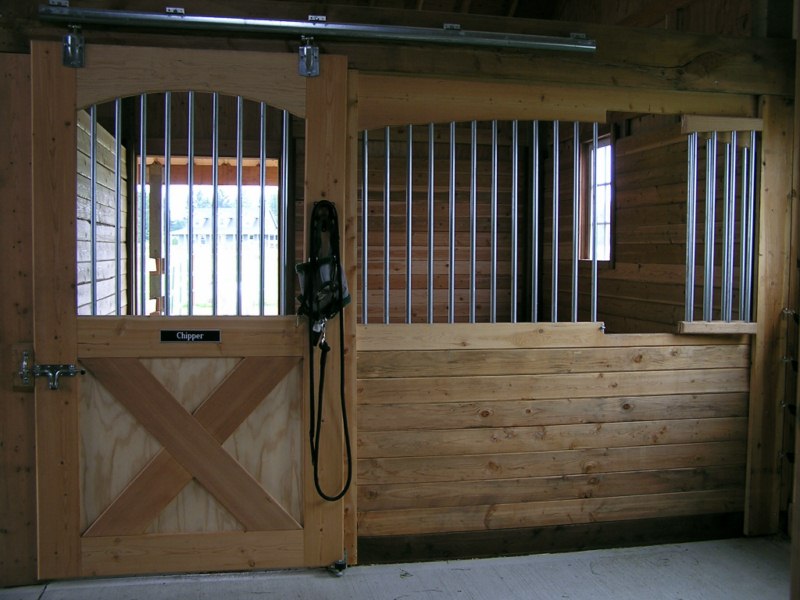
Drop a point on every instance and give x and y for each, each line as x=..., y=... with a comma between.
x=192, y=444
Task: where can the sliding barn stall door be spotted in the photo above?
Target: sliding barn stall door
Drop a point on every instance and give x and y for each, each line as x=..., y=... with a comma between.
x=175, y=457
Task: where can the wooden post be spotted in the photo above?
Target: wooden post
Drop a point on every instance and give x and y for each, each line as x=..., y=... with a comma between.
x=53, y=114
x=327, y=179
x=350, y=237
x=17, y=456
x=767, y=384
x=794, y=512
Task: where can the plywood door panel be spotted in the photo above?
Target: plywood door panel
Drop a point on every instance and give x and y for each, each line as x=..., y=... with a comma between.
x=190, y=443
x=155, y=486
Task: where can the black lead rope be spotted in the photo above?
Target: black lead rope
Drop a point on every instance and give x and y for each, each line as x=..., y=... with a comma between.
x=316, y=337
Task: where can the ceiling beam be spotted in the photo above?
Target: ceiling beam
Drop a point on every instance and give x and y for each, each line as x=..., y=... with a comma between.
x=673, y=61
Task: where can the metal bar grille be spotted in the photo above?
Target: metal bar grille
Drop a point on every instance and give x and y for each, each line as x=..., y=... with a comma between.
x=514, y=217
x=691, y=225
x=473, y=217
x=167, y=203
x=711, y=199
x=93, y=203
x=409, y=215
x=493, y=224
x=142, y=307
x=451, y=227
x=431, y=196
x=118, y=206
x=576, y=208
x=365, y=227
x=554, y=274
x=535, y=212
x=262, y=198
x=593, y=222
x=387, y=190
x=215, y=203
x=190, y=181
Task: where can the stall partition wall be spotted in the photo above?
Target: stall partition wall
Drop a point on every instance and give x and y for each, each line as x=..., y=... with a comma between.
x=170, y=457
x=470, y=427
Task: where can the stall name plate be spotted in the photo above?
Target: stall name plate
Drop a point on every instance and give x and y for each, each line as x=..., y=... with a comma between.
x=191, y=335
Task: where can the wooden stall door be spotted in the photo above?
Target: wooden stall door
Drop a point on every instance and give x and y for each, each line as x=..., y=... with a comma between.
x=173, y=457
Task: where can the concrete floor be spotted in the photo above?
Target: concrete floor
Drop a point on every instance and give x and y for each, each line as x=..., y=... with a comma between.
x=736, y=569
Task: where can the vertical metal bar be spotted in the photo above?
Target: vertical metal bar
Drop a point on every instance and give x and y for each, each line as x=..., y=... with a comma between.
x=729, y=218
x=751, y=203
x=743, y=230
x=473, y=217
x=576, y=223
x=239, y=203
x=593, y=223
x=514, y=216
x=262, y=183
x=535, y=199
x=431, y=174
x=142, y=204
x=365, y=225
x=190, y=224
x=93, y=203
x=493, y=225
x=554, y=278
x=167, y=211
x=214, y=201
x=732, y=225
x=118, y=204
x=691, y=226
x=451, y=288
x=386, y=222
x=711, y=198
x=284, y=272
x=409, y=216
x=726, y=195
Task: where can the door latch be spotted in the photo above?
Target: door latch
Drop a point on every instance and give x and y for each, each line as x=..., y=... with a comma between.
x=27, y=372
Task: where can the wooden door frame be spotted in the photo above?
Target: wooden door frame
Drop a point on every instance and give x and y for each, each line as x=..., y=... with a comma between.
x=57, y=91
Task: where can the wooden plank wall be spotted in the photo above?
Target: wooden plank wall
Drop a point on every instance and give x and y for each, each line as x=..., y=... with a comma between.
x=106, y=221
x=483, y=427
x=398, y=152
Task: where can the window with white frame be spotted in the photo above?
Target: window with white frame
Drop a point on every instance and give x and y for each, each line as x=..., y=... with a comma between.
x=596, y=203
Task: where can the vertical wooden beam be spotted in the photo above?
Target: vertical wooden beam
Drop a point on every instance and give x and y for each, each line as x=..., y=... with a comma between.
x=350, y=238
x=53, y=117
x=767, y=384
x=794, y=513
x=327, y=179
x=17, y=456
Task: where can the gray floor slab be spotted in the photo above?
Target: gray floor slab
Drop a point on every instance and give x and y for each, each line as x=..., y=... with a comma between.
x=736, y=569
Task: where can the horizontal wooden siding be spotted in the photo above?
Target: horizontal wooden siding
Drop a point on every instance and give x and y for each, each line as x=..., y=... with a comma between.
x=459, y=430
